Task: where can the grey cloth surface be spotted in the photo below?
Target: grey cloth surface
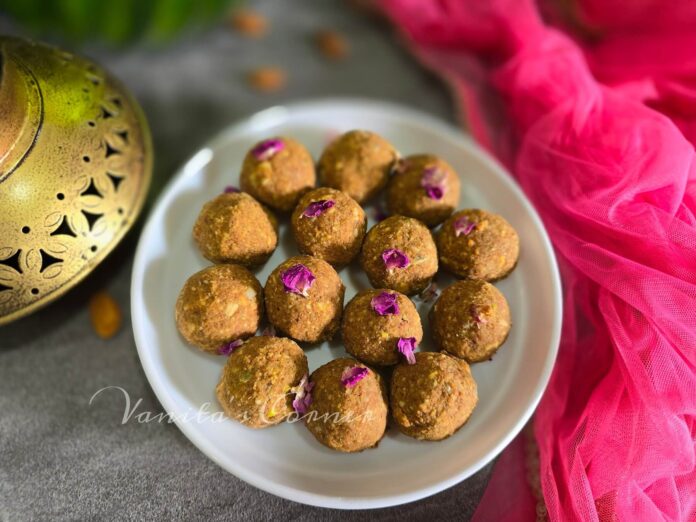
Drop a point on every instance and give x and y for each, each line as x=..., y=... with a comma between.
x=62, y=459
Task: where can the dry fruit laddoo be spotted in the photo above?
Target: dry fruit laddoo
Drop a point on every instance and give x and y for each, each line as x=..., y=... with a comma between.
x=358, y=163
x=399, y=253
x=218, y=306
x=434, y=397
x=278, y=171
x=304, y=299
x=470, y=319
x=235, y=228
x=381, y=327
x=424, y=187
x=476, y=244
x=260, y=380
x=348, y=409
x=330, y=225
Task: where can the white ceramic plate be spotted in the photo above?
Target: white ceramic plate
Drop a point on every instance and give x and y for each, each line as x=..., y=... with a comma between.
x=286, y=460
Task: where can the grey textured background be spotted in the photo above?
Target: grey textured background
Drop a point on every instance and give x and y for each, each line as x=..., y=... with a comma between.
x=61, y=459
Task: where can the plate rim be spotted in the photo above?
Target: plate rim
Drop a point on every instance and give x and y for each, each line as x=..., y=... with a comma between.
x=280, y=113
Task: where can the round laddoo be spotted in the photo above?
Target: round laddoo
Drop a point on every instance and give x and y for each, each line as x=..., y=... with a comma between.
x=434, y=397
x=304, y=299
x=358, y=163
x=256, y=386
x=423, y=187
x=476, y=244
x=219, y=305
x=349, y=408
x=330, y=225
x=399, y=253
x=470, y=319
x=277, y=171
x=235, y=228
x=379, y=327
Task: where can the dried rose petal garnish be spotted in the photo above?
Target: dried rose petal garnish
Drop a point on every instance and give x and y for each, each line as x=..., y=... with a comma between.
x=227, y=349
x=379, y=214
x=229, y=189
x=297, y=279
x=385, y=303
x=303, y=395
x=395, y=258
x=353, y=375
x=399, y=167
x=430, y=294
x=477, y=316
x=434, y=182
x=269, y=331
x=406, y=347
x=462, y=226
x=317, y=208
x=267, y=149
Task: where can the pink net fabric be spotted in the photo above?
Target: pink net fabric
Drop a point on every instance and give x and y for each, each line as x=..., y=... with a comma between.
x=601, y=139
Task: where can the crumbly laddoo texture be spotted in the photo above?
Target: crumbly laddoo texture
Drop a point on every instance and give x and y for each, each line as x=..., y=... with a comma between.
x=219, y=304
x=470, y=319
x=406, y=195
x=373, y=338
x=280, y=180
x=334, y=236
x=310, y=319
x=255, y=386
x=346, y=418
x=409, y=236
x=433, y=398
x=235, y=228
x=489, y=251
x=358, y=163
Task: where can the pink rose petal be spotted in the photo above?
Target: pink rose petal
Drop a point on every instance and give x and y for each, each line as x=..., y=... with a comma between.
x=379, y=214
x=267, y=149
x=297, y=279
x=430, y=294
x=269, y=331
x=462, y=226
x=303, y=395
x=317, y=208
x=353, y=375
x=406, y=347
x=385, y=303
x=434, y=182
x=395, y=258
x=227, y=349
x=477, y=316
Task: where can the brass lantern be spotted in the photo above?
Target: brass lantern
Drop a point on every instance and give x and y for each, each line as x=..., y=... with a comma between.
x=75, y=166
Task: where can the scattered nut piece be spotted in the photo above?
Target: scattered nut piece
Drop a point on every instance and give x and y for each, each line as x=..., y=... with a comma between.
x=249, y=23
x=267, y=79
x=105, y=315
x=332, y=45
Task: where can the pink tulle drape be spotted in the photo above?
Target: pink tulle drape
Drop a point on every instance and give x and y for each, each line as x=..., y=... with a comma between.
x=600, y=136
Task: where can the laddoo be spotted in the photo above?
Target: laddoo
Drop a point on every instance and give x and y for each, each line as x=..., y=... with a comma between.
x=399, y=253
x=348, y=411
x=380, y=327
x=470, y=319
x=235, y=228
x=304, y=299
x=424, y=187
x=330, y=225
x=476, y=244
x=358, y=163
x=278, y=171
x=257, y=384
x=434, y=397
x=218, y=306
